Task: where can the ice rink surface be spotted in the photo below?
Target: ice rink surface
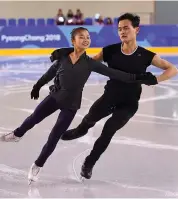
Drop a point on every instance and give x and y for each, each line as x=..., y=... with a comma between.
x=141, y=161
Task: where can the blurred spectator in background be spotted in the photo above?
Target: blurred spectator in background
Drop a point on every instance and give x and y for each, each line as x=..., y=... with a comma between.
x=79, y=17
x=109, y=21
x=70, y=18
x=60, y=18
x=99, y=19
x=70, y=14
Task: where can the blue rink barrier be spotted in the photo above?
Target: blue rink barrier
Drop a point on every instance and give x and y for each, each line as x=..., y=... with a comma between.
x=43, y=40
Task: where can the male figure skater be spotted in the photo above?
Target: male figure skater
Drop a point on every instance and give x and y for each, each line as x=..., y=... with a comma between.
x=119, y=99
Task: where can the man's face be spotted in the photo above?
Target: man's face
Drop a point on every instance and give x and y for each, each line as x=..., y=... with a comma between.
x=126, y=31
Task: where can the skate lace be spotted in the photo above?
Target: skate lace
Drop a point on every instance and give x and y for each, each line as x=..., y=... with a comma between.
x=87, y=169
x=35, y=170
x=10, y=136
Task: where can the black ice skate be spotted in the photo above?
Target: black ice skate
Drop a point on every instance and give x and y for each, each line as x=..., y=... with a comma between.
x=86, y=171
x=74, y=134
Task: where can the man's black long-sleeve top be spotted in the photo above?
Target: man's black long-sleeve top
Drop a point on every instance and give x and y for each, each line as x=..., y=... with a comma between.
x=70, y=78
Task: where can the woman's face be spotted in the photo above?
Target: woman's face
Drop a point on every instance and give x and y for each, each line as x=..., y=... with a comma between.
x=82, y=40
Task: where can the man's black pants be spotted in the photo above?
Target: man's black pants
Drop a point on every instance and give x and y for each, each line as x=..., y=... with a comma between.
x=121, y=112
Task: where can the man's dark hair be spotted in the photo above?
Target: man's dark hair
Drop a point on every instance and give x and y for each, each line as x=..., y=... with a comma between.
x=76, y=31
x=135, y=19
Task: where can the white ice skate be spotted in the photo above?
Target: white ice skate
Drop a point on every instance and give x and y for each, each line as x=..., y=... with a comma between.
x=9, y=137
x=33, y=173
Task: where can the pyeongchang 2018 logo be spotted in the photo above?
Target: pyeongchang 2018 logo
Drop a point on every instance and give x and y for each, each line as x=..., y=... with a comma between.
x=30, y=38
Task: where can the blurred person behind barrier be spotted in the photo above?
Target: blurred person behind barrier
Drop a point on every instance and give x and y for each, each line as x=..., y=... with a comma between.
x=70, y=18
x=79, y=17
x=60, y=18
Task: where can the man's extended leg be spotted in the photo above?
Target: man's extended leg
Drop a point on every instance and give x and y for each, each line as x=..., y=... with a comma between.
x=100, y=109
x=118, y=119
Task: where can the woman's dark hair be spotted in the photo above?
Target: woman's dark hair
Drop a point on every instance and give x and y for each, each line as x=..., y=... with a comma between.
x=75, y=31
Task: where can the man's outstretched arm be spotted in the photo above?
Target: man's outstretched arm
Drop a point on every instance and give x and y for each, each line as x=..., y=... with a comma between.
x=169, y=69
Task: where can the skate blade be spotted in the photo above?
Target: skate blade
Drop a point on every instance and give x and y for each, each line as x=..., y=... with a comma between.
x=82, y=179
x=30, y=182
